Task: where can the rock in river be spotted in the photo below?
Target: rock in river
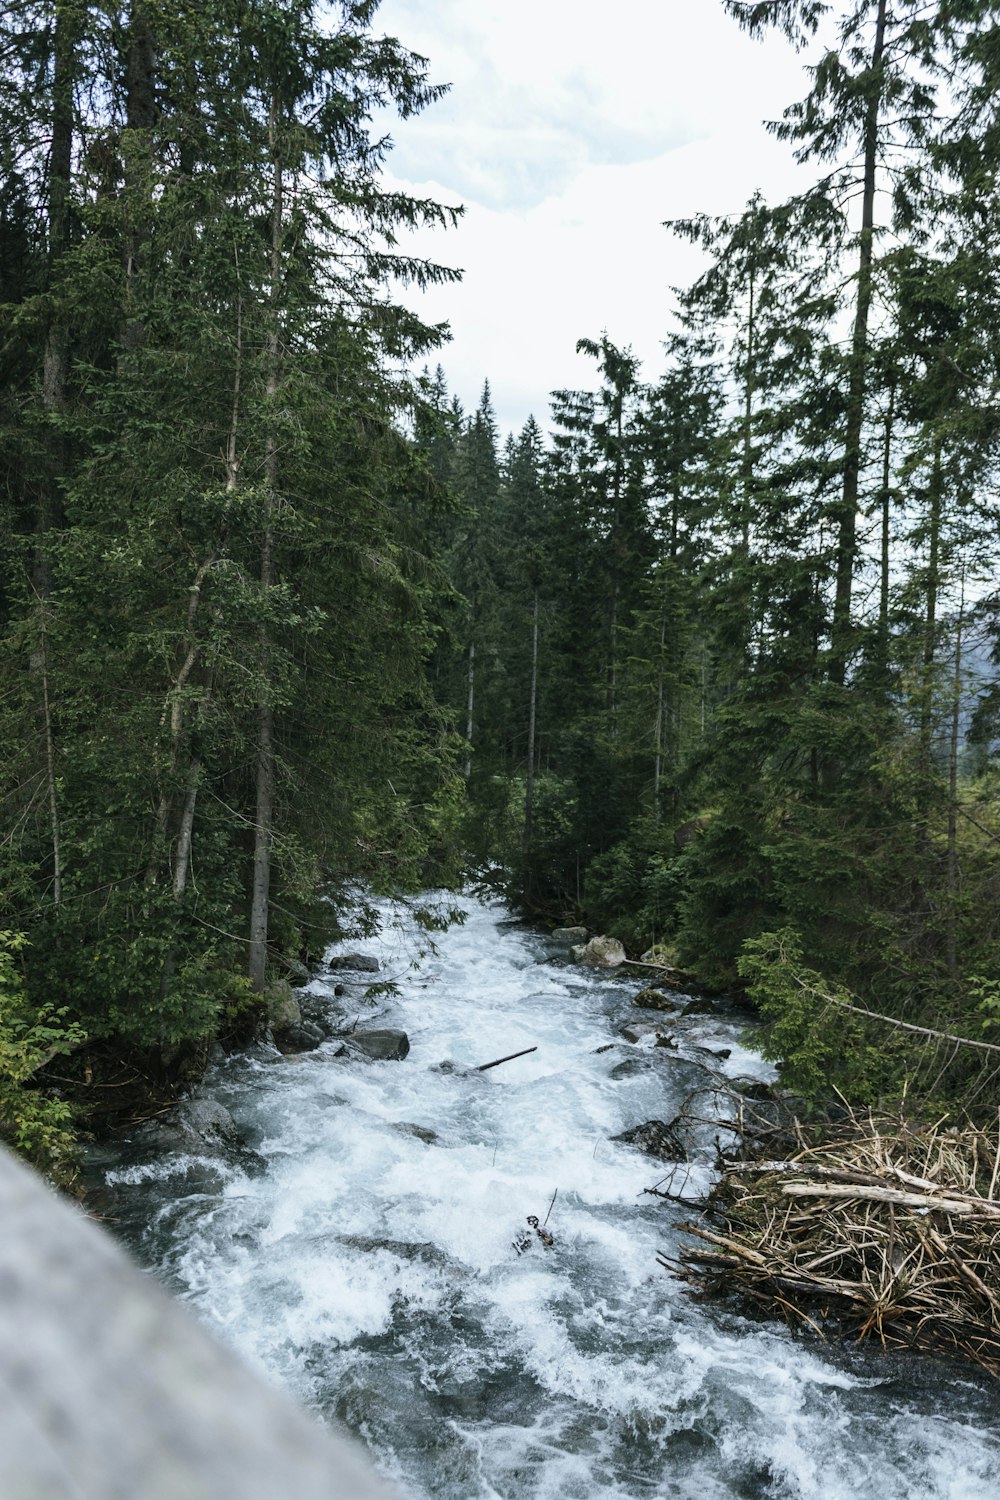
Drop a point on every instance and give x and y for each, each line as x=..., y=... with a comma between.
x=380, y=1046
x=604, y=952
x=361, y=963
x=656, y=1138
x=570, y=935
x=653, y=999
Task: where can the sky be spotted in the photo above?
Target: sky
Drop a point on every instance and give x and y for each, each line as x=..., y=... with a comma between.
x=571, y=131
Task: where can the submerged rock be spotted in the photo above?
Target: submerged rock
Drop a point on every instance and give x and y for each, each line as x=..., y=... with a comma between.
x=361, y=963
x=656, y=1138
x=380, y=1046
x=640, y=1029
x=654, y=999
x=422, y=1132
x=632, y=1065
x=460, y=1070
x=698, y=1008
x=602, y=952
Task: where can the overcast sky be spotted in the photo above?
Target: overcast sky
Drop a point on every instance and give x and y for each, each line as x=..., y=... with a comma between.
x=571, y=131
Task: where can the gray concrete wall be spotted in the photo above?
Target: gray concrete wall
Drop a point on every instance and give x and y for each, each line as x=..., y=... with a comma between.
x=111, y=1390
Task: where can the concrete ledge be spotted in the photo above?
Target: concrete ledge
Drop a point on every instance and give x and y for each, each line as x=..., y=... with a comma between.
x=110, y=1390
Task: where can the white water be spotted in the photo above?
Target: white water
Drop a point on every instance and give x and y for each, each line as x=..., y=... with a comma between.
x=373, y=1273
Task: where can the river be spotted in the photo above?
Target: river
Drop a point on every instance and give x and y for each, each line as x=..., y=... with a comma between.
x=361, y=1253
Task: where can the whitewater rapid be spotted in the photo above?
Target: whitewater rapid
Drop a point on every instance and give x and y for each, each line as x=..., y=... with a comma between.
x=360, y=1252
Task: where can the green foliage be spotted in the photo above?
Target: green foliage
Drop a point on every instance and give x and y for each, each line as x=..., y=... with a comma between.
x=820, y=1046
x=36, y=1122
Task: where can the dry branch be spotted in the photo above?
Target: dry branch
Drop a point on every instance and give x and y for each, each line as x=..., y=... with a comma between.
x=881, y=1228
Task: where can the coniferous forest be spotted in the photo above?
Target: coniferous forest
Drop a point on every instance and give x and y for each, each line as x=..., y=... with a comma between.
x=703, y=658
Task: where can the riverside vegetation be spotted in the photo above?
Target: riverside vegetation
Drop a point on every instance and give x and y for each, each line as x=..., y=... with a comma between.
x=710, y=667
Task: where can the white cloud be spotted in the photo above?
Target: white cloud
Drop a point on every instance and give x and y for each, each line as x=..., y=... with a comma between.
x=571, y=132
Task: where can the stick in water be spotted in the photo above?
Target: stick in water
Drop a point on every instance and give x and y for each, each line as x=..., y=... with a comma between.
x=509, y=1058
x=551, y=1206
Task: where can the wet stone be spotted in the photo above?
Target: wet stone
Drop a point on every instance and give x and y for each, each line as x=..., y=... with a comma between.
x=380, y=1046
x=654, y=999
x=656, y=1138
x=422, y=1133
x=361, y=963
x=698, y=1008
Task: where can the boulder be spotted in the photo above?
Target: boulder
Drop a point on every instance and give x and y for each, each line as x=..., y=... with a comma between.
x=193, y=1123
x=361, y=963
x=602, y=952
x=653, y=999
x=283, y=1009
x=304, y=1038
x=656, y=1138
x=570, y=935
x=422, y=1132
x=380, y=1046
x=639, y=1029
x=698, y=1008
x=632, y=1065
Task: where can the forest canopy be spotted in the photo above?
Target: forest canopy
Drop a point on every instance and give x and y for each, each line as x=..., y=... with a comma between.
x=709, y=664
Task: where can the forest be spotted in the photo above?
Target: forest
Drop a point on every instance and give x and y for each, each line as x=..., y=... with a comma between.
x=708, y=664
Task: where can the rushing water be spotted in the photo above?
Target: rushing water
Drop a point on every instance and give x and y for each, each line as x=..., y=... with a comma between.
x=371, y=1270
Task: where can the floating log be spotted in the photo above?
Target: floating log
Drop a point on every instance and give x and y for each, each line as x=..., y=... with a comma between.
x=509, y=1058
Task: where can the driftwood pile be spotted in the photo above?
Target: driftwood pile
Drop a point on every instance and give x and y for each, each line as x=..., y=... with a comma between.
x=886, y=1230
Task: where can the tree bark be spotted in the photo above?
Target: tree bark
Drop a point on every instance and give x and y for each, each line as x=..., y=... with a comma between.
x=529, y=787
x=55, y=373
x=140, y=117
x=930, y=616
x=264, y=821
x=886, y=537
x=470, y=696
x=951, y=931
x=847, y=545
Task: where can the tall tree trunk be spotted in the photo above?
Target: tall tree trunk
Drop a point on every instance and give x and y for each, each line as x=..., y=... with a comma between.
x=886, y=536
x=529, y=786
x=847, y=545
x=55, y=372
x=930, y=613
x=264, y=821
x=951, y=932
x=749, y=385
x=140, y=117
x=50, y=761
x=470, y=694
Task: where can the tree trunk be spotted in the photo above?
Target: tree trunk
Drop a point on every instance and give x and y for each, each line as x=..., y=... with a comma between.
x=847, y=546
x=884, y=563
x=50, y=762
x=263, y=824
x=930, y=617
x=529, y=787
x=470, y=697
x=55, y=372
x=140, y=117
x=951, y=932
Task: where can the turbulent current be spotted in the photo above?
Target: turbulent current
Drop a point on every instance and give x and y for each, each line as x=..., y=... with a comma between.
x=361, y=1251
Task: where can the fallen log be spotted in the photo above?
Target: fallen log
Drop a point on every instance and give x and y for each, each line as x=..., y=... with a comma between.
x=925, y=1201
x=482, y=1068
